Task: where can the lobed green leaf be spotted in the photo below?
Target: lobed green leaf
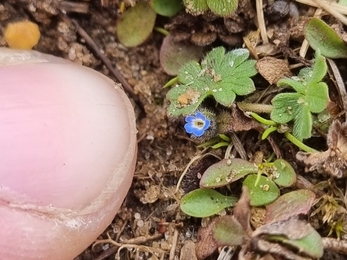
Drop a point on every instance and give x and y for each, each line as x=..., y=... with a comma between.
x=222, y=7
x=302, y=122
x=284, y=107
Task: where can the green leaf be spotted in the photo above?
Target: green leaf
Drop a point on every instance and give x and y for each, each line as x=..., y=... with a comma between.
x=319, y=69
x=295, y=83
x=221, y=75
x=222, y=7
x=227, y=231
x=284, y=174
x=302, y=123
x=195, y=7
x=226, y=171
x=321, y=36
x=284, y=105
x=310, y=245
x=136, y=24
x=182, y=94
x=263, y=193
x=317, y=97
x=204, y=202
x=167, y=7
x=290, y=204
x=311, y=97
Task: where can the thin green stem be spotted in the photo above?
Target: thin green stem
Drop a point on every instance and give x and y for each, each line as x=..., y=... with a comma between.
x=268, y=131
x=171, y=82
x=299, y=144
x=161, y=30
x=262, y=120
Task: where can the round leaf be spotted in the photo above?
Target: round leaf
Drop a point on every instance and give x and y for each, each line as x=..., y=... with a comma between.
x=136, y=24
x=284, y=173
x=204, y=202
x=173, y=55
x=263, y=193
x=321, y=36
x=290, y=204
x=226, y=171
x=167, y=7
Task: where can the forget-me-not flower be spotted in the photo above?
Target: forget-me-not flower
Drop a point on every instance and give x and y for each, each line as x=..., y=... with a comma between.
x=197, y=124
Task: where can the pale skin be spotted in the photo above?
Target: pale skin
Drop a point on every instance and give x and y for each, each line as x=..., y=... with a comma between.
x=67, y=157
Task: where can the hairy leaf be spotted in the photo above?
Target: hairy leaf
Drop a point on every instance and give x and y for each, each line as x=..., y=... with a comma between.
x=321, y=36
x=220, y=74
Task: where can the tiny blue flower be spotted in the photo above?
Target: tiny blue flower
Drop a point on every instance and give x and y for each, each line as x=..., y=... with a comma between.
x=197, y=124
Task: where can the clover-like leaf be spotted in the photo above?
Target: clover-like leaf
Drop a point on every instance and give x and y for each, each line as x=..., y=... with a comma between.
x=311, y=96
x=226, y=171
x=204, y=202
x=262, y=191
x=221, y=75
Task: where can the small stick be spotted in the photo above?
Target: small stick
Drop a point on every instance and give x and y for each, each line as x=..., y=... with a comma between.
x=72, y=7
x=116, y=73
x=173, y=246
x=261, y=21
x=340, y=85
x=337, y=7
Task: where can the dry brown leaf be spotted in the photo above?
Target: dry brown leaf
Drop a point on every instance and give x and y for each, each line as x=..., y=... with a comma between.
x=273, y=69
x=334, y=160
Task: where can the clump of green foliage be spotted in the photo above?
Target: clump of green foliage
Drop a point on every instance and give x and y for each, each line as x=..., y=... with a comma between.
x=220, y=74
x=310, y=96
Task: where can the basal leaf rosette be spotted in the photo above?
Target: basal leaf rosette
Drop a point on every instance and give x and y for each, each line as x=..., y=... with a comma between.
x=221, y=75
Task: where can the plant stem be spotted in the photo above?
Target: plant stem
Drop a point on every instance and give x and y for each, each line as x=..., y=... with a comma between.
x=161, y=30
x=262, y=120
x=255, y=107
x=298, y=143
x=268, y=131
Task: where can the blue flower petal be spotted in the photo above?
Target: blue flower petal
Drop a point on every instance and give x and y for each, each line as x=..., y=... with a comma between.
x=207, y=124
x=199, y=132
x=197, y=124
x=189, y=119
x=189, y=128
x=201, y=116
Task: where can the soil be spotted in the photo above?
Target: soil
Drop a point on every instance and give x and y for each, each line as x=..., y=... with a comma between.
x=150, y=216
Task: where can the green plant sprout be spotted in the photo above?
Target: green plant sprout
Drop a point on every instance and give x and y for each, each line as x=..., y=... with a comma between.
x=217, y=142
x=220, y=74
x=219, y=7
x=273, y=126
x=261, y=180
x=311, y=96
